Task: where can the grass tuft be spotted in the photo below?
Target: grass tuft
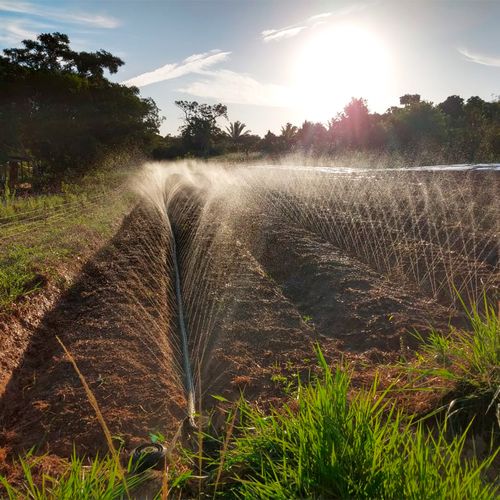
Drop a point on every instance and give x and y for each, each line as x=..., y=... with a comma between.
x=329, y=445
x=101, y=478
x=470, y=360
x=18, y=276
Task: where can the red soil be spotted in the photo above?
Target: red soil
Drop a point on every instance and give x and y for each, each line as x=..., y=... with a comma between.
x=258, y=300
x=114, y=320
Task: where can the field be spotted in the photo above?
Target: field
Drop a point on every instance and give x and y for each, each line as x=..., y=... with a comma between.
x=277, y=267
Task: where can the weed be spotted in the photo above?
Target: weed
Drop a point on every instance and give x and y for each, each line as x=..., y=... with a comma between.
x=307, y=319
x=331, y=446
x=100, y=479
x=157, y=437
x=17, y=274
x=8, y=196
x=470, y=360
x=279, y=379
x=39, y=233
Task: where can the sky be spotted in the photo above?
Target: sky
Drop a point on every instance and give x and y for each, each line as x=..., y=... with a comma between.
x=278, y=61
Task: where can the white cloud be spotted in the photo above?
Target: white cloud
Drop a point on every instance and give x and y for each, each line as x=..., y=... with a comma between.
x=232, y=87
x=15, y=30
x=319, y=17
x=192, y=64
x=275, y=35
x=480, y=58
x=278, y=34
x=62, y=15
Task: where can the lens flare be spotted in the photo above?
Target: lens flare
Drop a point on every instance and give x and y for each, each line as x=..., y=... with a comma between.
x=339, y=63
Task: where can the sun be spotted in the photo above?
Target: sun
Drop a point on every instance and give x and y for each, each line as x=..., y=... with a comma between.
x=338, y=63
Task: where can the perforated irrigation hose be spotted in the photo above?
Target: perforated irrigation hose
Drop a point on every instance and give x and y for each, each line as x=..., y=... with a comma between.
x=184, y=337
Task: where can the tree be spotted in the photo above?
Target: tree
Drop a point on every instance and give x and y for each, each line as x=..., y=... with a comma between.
x=200, y=129
x=270, y=143
x=235, y=130
x=12, y=82
x=417, y=127
x=288, y=133
x=52, y=52
x=312, y=136
x=93, y=64
x=238, y=136
x=409, y=99
x=475, y=110
x=167, y=148
x=453, y=106
x=47, y=52
x=57, y=107
x=481, y=129
x=352, y=128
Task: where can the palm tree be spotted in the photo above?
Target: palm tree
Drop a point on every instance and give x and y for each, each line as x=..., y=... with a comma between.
x=235, y=130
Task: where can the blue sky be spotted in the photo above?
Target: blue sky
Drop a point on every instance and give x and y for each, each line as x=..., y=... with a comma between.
x=279, y=60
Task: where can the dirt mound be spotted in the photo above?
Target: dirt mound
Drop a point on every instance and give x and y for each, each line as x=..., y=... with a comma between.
x=342, y=297
x=292, y=291
x=261, y=286
x=115, y=320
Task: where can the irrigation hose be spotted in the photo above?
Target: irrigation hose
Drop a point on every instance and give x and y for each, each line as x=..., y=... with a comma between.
x=184, y=337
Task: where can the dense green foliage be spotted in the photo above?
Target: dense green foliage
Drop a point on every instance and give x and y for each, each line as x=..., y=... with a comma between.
x=200, y=129
x=58, y=109
x=452, y=131
x=332, y=444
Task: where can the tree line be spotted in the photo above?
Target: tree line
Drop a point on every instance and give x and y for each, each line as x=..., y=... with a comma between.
x=59, y=112
x=455, y=130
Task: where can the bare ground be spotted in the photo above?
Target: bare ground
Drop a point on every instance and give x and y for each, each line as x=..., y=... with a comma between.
x=289, y=291
x=114, y=320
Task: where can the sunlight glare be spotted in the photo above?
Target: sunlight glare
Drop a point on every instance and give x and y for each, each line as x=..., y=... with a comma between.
x=341, y=62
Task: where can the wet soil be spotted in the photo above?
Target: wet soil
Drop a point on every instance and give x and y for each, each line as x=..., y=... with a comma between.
x=343, y=298
x=298, y=291
x=260, y=293
x=115, y=321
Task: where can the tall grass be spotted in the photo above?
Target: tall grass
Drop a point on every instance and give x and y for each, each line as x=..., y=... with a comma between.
x=331, y=445
x=329, y=442
x=100, y=479
x=469, y=360
x=469, y=357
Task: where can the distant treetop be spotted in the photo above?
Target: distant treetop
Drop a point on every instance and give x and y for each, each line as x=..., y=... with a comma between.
x=51, y=52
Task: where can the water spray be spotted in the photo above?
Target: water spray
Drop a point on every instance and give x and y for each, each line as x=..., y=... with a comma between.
x=153, y=455
x=435, y=231
x=184, y=337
